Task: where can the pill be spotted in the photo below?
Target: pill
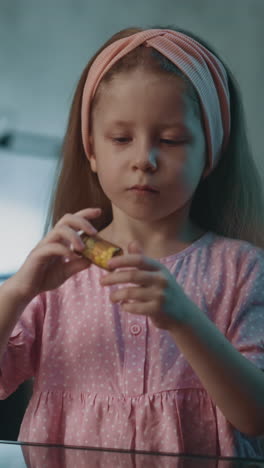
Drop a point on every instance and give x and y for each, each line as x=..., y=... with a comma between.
x=98, y=250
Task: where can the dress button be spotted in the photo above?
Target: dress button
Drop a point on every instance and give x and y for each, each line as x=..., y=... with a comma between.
x=135, y=329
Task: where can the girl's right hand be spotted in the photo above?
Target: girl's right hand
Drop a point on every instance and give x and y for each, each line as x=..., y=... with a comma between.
x=53, y=261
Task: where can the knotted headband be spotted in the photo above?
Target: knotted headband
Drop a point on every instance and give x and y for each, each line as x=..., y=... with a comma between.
x=204, y=70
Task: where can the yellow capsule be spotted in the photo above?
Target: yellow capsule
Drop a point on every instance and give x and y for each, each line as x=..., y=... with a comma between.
x=99, y=251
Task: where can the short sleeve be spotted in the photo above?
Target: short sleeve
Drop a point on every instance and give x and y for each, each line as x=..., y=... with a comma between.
x=246, y=327
x=21, y=357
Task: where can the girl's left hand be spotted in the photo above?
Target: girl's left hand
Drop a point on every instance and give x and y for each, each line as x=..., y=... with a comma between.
x=158, y=294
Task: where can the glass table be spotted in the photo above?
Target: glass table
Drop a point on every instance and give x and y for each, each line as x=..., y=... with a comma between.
x=24, y=455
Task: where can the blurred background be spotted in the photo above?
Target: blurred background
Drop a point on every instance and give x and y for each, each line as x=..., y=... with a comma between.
x=44, y=46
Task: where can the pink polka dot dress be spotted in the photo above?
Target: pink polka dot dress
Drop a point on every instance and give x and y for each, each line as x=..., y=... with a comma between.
x=107, y=378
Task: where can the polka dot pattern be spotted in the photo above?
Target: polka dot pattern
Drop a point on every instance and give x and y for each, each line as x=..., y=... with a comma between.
x=106, y=378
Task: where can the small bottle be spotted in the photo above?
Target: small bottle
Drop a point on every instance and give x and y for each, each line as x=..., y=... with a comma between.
x=98, y=250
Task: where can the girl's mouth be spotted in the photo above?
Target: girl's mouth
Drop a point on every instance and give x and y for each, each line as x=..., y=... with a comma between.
x=144, y=188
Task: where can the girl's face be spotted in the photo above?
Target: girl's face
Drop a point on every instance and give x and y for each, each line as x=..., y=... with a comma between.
x=146, y=131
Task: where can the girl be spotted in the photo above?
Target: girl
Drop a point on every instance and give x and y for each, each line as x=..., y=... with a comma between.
x=164, y=352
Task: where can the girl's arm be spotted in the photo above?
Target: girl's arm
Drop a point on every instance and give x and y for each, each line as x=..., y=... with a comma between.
x=235, y=385
x=12, y=304
x=45, y=268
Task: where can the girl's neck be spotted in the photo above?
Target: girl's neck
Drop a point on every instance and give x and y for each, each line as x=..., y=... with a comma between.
x=155, y=246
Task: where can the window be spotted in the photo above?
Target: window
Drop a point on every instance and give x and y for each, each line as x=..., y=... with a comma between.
x=25, y=189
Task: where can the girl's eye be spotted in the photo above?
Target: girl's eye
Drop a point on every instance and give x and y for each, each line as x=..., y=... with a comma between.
x=172, y=142
x=121, y=140
x=166, y=141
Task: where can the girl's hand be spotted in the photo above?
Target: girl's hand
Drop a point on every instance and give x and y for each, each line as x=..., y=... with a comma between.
x=53, y=261
x=158, y=294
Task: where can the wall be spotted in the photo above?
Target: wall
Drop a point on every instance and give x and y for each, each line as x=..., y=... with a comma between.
x=44, y=46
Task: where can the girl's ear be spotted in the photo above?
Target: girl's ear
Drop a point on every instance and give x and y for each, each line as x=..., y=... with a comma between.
x=91, y=156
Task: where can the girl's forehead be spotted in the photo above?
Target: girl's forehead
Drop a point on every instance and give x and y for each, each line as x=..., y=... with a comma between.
x=140, y=78
x=130, y=106
x=134, y=91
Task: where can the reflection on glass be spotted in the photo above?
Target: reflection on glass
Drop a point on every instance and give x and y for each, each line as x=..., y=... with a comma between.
x=62, y=457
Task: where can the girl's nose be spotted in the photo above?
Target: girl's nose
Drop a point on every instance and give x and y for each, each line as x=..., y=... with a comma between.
x=145, y=160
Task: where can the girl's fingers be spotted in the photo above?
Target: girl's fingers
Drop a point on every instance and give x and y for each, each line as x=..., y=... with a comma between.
x=139, y=308
x=52, y=250
x=134, y=260
x=80, y=220
x=66, y=229
x=66, y=236
x=132, y=293
x=77, y=222
x=143, y=278
x=89, y=212
x=70, y=268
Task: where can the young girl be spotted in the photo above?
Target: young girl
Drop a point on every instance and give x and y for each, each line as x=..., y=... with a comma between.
x=164, y=352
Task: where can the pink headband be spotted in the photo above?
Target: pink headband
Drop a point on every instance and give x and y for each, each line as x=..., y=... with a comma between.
x=204, y=70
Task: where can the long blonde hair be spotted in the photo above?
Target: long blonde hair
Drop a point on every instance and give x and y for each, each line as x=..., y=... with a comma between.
x=229, y=202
